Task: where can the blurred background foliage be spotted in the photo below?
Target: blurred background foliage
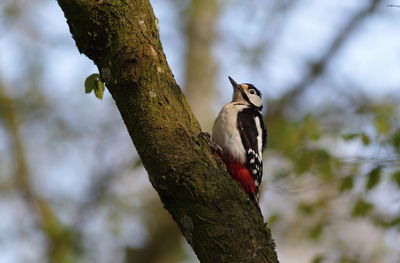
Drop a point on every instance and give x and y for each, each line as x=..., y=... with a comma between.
x=72, y=188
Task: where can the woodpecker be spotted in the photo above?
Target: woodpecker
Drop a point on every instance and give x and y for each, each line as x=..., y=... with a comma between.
x=240, y=132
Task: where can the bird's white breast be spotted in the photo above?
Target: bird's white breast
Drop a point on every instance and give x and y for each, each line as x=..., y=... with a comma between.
x=226, y=134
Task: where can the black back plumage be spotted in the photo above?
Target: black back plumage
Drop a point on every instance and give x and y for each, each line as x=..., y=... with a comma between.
x=246, y=122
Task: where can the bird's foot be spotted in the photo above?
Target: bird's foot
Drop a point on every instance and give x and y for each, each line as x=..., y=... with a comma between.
x=215, y=148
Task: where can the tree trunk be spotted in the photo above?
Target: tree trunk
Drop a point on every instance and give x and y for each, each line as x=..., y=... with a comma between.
x=200, y=67
x=213, y=212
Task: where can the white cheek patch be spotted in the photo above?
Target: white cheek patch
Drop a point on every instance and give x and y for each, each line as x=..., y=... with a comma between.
x=255, y=100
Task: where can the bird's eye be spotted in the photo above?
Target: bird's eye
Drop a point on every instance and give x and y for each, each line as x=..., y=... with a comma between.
x=252, y=92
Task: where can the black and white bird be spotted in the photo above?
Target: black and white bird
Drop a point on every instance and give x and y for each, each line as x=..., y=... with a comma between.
x=240, y=132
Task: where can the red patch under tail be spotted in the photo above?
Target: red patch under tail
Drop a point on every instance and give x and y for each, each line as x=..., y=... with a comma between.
x=242, y=174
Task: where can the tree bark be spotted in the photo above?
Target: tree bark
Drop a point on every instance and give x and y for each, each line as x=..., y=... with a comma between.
x=214, y=214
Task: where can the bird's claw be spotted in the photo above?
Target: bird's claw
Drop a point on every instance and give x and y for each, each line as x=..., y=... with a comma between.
x=215, y=148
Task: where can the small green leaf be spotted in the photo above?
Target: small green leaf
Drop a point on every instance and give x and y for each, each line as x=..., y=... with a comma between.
x=347, y=183
x=90, y=82
x=93, y=82
x=396, y=178
x=100, y=84
x=361, y=208
x=374, y=177
x=99, y=89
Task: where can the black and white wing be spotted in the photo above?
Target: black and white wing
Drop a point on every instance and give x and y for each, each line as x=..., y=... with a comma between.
x=253, y=134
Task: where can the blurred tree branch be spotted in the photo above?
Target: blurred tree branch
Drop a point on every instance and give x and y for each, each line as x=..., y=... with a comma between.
x=317, y=68
x=213, y=213
x=164, y=242
x=200, y=65
x=59, y=237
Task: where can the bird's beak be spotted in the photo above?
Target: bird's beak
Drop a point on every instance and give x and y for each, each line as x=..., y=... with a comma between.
x=234, y=84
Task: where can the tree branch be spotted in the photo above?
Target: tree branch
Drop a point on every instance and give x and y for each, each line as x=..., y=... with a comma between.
x=214, y=214
x=318, y=68
x=200, y=67
x=60, y=238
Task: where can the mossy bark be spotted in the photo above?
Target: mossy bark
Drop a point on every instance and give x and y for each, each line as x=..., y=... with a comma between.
x=216, y=217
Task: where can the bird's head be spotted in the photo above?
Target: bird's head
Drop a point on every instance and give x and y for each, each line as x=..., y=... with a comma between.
x=247, y=94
